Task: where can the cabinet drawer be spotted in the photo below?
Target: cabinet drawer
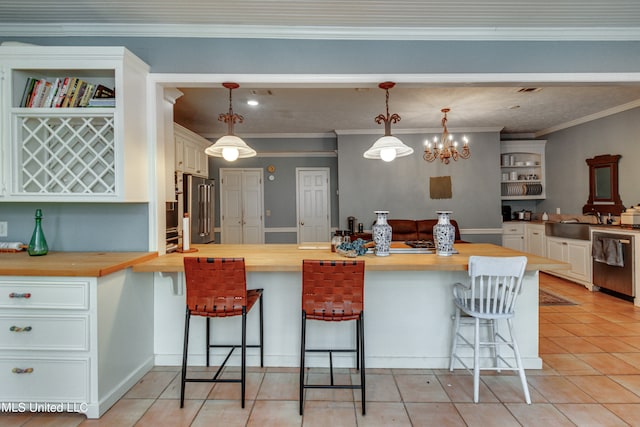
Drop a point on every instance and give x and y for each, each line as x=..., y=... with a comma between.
x=44, y=380
x=515, y=228
x=41, y=294
x=69, y=333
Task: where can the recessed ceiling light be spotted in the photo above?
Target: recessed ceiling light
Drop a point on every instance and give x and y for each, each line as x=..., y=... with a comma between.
x=252, y=102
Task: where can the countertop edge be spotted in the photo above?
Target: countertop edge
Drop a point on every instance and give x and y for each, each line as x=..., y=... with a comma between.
x=264, y=258
x=126, y=264
x=71, y=264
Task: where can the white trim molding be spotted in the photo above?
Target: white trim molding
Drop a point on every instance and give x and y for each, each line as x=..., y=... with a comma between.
x=320, y=32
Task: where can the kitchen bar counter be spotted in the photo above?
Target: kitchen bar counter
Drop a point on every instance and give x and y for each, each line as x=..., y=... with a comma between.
x=408, y=306
x=71, y=264
x=288, y=257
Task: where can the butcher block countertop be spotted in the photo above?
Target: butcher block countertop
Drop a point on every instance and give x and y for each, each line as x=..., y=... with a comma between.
x=288, y=257
x=74, y=264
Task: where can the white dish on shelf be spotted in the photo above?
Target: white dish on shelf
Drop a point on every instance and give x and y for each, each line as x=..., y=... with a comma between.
x=530, y=163
x=519, y=164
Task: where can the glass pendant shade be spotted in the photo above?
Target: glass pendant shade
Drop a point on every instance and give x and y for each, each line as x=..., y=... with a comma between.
x=230, y=147
x=387, y=148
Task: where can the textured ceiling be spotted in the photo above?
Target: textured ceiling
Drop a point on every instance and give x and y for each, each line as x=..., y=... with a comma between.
x=322, y=110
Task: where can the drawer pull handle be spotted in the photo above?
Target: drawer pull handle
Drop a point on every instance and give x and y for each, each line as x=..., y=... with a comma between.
x=22, y=371
x=15, y=295
x=19, y=329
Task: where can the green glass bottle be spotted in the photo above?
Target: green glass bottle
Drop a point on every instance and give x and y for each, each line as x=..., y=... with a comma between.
x=38, y=244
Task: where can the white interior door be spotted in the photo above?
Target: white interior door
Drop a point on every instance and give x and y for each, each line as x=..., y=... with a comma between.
x=252, y=201
x=313, y=204
x=241, y=201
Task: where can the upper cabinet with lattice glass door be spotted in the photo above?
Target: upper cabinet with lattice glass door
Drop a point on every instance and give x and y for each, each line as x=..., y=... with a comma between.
x=56, y=144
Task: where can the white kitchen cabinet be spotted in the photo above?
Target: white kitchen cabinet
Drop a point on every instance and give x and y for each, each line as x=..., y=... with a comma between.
x=535, y=242
x=513, y=235
x=190, y=155
x=96, y=154
x=77, y=342
x=522, y=166
x=575, y=252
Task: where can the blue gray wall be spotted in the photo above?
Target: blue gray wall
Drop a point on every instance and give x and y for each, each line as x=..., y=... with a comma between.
x=81, y=226
x=567, y=150
x=402, y=186
x=195, y=55
x=124, y=227
x=280, y=194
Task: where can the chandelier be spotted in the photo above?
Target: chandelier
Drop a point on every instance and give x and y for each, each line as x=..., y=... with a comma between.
x=387, y=147
x=447, y=148
x=230, y=147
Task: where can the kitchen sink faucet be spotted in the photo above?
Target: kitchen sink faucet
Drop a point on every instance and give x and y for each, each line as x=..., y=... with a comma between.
x=597, y=215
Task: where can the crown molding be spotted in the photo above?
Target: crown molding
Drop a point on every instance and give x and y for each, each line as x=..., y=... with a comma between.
x=320, y=32
x=332, y=153
x=213, y=137
x=436, y=130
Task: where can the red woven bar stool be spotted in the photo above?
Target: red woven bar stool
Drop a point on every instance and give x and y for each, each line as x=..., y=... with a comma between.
x=217, y=287
x=333, y=291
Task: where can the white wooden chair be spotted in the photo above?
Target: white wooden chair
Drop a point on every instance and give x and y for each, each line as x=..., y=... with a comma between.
x=495, y=283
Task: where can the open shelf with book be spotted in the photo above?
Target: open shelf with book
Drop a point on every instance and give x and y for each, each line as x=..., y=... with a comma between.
x=56, y=147
x=56, y=89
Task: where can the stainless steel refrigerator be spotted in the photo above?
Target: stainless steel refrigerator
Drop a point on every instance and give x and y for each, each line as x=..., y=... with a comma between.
x=199, y=202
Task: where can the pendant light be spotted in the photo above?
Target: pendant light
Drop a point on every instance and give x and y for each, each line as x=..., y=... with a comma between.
x=447, y=147
x=387, y=147
x=230, y=147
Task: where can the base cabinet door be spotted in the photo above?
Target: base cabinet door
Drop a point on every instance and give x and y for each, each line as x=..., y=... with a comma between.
x=535, y=239
x=514, y=242
x=577, y=253
x=46, y=380
x=556, y=249
x=579, y=256
x=513, y=236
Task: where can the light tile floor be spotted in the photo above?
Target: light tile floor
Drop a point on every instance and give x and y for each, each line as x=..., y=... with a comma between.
x=591, y=377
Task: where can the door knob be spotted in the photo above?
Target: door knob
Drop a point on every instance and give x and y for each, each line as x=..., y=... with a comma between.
x=301, y=222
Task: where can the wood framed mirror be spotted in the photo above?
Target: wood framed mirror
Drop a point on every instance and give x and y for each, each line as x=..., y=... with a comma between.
x=603, y=185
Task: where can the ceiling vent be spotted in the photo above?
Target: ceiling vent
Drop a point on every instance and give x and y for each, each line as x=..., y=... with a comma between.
x=262, y=92
x=529, y=89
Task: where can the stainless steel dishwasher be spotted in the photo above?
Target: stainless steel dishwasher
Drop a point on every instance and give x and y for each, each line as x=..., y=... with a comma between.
x=613, y=277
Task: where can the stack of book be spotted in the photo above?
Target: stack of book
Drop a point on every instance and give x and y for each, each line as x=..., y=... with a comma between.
x=66, y=92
